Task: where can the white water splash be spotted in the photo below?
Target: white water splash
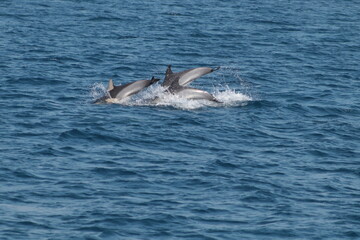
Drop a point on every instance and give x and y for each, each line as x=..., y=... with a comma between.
x=155, y=95
x=97, y=91
x=231, y=98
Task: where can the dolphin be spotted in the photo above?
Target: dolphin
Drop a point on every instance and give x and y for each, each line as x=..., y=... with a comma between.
x=194, y=93
x=123, y=91
x=176, y=83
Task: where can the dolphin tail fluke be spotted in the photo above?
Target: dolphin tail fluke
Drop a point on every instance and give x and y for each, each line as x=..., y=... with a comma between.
x=168, y=70
x=110, y=85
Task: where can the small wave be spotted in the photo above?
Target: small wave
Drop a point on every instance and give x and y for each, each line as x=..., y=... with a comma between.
x=156, y=96
x=85, y=135
x=106, y=19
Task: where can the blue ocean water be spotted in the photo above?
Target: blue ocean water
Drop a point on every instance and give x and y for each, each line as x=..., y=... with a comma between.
x=278, y=159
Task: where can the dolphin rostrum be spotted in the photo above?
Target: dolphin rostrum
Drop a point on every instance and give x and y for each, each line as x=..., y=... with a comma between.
x=123, y=91
x=176, y=83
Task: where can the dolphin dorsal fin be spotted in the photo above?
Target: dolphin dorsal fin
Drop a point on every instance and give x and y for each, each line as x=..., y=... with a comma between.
x=110, y=85
x=168, y=70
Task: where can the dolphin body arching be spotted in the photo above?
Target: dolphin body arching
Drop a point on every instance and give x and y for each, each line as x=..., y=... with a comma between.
x=183, y=78
x=176, y=83
x=194, y=93
x=123, y=91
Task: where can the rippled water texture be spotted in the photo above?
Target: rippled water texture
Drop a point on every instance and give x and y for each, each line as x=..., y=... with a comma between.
x=279, y=158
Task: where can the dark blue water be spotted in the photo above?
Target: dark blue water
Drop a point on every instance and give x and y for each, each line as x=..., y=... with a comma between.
x=278, y=159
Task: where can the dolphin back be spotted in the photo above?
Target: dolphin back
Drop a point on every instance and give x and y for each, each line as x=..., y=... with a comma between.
x=174, y=80
x=193, y=93
x=133, y=88
x=188, y=76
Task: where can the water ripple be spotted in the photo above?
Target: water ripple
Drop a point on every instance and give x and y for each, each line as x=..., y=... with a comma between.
x=277, y=159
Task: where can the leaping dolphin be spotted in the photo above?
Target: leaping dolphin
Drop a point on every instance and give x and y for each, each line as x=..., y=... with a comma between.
x=193, y=93
x=123, y=91
x=176, y=83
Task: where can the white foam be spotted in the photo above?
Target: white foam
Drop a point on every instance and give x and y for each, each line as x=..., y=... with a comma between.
x=230, y=97
x=155, y=95
x=97, y=91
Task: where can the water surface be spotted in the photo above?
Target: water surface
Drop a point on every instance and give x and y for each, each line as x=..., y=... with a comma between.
x=279, y=159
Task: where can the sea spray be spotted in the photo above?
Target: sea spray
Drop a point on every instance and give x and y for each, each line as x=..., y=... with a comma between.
x=97, y=91
x=157, y=96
